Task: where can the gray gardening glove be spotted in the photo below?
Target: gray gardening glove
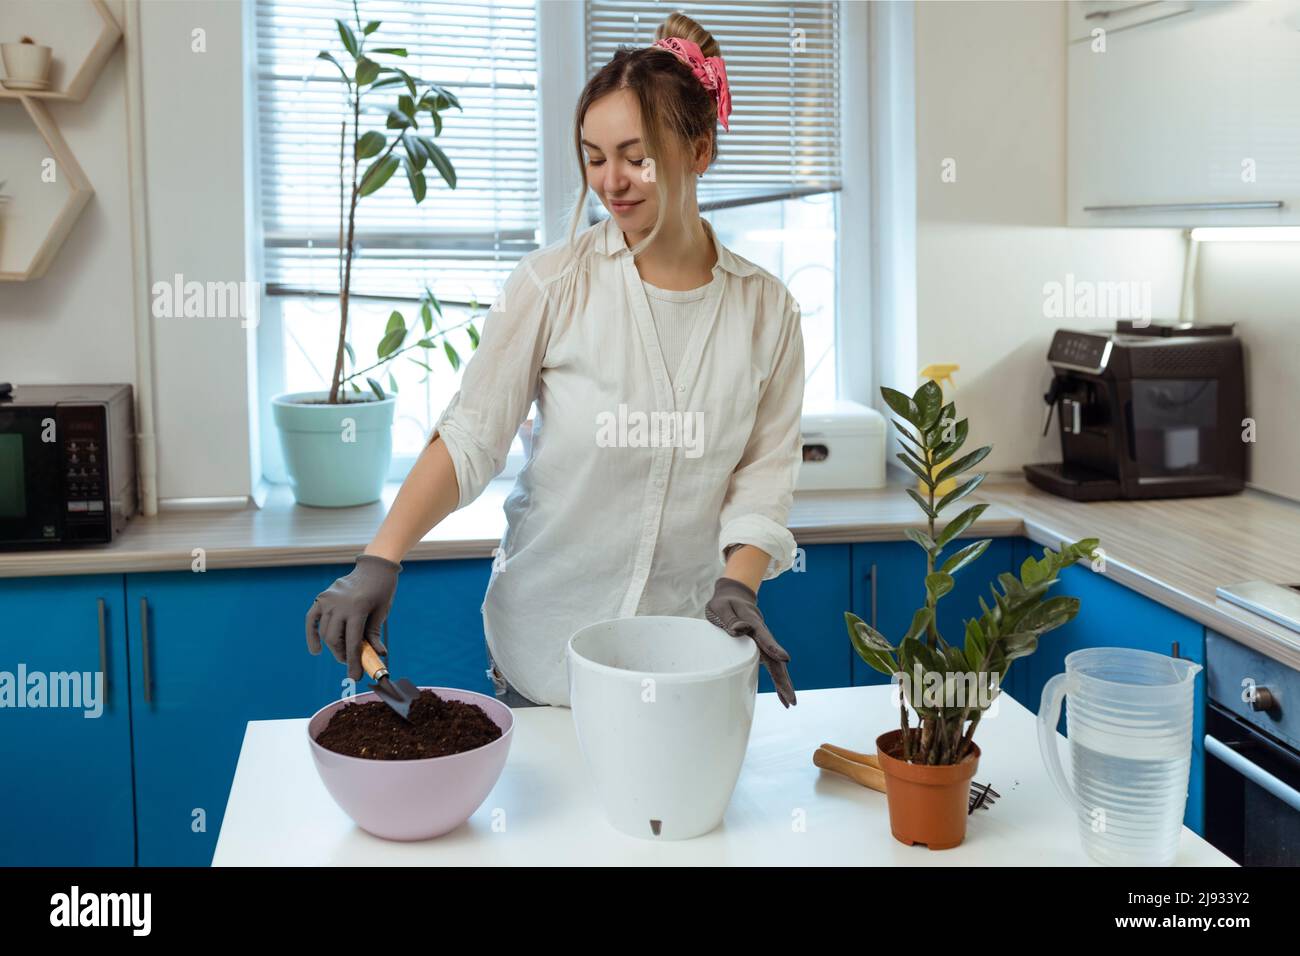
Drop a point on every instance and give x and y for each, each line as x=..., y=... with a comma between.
x=734, y=608
x=352, y=608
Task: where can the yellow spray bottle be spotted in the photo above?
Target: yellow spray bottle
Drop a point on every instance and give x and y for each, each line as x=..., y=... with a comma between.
x=941, y=374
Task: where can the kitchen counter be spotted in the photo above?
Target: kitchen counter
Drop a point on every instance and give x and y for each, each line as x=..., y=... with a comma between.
x=1175, y=552
x=784, y=810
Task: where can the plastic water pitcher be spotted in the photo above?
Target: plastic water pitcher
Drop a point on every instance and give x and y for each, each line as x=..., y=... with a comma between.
x=1129, y=723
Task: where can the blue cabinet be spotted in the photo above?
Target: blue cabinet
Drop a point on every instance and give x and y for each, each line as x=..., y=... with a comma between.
x=211, y=651
x=889, y=586
x=1111, y=615
x=65, y=763
x=804, y=609
x=435, y=628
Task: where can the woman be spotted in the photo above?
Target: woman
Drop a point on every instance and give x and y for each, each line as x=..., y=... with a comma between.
x=668, y=376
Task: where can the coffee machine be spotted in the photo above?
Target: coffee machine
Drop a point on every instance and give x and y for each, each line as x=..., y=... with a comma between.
x=1152, y=411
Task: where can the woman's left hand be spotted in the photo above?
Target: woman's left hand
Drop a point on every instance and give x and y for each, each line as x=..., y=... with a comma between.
x=734, y=608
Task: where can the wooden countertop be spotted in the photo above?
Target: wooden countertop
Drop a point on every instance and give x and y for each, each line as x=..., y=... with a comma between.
x=1175, y=552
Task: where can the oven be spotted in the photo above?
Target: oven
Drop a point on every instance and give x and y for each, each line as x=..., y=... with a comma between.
x=1252, y=755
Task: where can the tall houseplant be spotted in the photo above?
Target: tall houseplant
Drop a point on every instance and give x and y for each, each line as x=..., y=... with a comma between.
x=949, y=686
x=337, y=445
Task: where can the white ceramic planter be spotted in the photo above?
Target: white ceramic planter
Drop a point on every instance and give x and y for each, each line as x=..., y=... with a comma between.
x=662, y=708
x=336, y=455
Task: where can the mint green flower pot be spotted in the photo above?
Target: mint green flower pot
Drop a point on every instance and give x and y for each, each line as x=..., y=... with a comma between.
x=336, y=455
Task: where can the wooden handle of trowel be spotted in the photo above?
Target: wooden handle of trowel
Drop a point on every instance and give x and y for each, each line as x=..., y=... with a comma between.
x=371, y=661
x=868, y=759
x=871, y=777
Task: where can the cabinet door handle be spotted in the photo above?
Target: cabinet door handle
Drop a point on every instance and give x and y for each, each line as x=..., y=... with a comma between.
x=1186, y=206
x=873, y=596
x=1104, y=14
x=144, y=642
x=103, y=645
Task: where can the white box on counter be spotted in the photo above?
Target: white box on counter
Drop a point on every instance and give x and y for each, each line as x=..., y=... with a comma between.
x=843, y=448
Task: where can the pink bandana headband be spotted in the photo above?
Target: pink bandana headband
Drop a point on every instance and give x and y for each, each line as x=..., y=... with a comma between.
x=709, y=70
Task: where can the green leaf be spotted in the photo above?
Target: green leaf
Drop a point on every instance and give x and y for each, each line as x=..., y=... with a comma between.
x=352, y=356
x=938, y=584
x=921, y=538
x=473, y=335
x=925, y=507
x=380, y=171
x=355, y=386
x=396, y=321
x=348, y=37
x=415, y=153
x=392, y=382
x=370, y=144
x=392, y=50
x=390, y=343
x=452, y=355
x=961, y=491
x=957, y=525
x=447, y=95
x=928, y=400
x=426, y=316
x=920, y=621
x=1032, y=570
x=376, y=388
x=876, y=658
x=964, y=557
x=406, y=106
x=397, y=121
x=903, y=432
x=326, y=55
x=945, y=450
x=901, y=404
x=1018, y=645
x=371, y=27
x=869, y=636
x=433, y=300
x=440, y=161
x=963, y=463
x=423, y=365
x=427, y=343
x=916, y=469
x=416, y=179
x=367, y=71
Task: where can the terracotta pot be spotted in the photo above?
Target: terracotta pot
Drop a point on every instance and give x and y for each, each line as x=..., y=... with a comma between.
x=926, y=804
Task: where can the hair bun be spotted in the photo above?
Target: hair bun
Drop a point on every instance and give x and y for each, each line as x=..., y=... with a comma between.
x=684, y=28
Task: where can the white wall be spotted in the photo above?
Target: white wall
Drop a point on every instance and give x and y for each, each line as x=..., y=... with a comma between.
x=1257, y=285
x=76, y=325
x=990, y=92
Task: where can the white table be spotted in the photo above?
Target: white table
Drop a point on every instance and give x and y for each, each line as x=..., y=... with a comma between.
x=543, y=810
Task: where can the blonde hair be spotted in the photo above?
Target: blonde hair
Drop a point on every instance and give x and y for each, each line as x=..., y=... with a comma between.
x=676, y=111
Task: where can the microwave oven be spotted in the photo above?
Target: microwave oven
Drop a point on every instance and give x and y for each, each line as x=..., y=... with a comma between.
x=67, y=464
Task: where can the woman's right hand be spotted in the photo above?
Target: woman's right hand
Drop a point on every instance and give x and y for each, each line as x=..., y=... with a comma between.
x=353, y=609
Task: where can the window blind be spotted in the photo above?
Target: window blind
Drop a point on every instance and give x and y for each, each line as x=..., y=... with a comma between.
x=783, y=70
x=461, y=243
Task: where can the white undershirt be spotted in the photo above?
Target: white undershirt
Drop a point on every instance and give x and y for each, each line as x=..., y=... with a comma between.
x=675, y=314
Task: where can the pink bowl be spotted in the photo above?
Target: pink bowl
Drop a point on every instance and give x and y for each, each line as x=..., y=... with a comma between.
x=413, y=799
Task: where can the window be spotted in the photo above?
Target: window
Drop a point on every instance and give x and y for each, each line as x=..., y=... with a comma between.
x=772, y=194
x=460, y=243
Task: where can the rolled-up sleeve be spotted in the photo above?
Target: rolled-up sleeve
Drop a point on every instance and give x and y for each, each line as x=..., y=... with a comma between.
x=499, y=383
x=761, y=489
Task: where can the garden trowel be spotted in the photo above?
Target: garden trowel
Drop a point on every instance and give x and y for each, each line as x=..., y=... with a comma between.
x=398, y=694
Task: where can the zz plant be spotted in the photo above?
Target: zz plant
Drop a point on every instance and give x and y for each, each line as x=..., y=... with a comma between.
x=950, y=686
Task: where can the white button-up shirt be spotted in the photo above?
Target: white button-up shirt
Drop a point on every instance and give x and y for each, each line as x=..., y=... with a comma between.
x=636, y=484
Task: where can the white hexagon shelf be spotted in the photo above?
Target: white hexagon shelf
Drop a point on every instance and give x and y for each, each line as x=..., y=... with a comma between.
x=47, y=187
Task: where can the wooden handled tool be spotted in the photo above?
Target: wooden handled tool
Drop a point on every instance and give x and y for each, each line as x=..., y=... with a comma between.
x=860, y=768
